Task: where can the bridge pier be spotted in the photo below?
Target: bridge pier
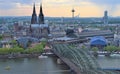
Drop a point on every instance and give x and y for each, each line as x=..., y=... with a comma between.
x=72, y=71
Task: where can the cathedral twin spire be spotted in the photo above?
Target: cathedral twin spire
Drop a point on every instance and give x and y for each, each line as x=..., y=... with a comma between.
x=41, y=15
x=34, y=16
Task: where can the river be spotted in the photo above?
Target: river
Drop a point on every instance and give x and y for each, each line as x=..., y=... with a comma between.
x=32, y=66
x=112, y=62
x=48, y=65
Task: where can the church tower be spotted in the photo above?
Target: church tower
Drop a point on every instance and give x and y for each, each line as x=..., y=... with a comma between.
x=34, y=16
x=41, y=16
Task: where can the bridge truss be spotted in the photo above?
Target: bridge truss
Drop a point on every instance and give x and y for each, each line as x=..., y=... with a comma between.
x=84, y=61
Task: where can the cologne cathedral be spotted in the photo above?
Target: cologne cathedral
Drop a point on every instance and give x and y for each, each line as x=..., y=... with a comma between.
x=38, y=28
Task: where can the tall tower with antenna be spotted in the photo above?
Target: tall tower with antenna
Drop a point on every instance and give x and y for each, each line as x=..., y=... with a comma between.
x=73, y=11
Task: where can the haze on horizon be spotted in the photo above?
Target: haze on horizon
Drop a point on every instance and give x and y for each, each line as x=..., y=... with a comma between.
x=60, y=8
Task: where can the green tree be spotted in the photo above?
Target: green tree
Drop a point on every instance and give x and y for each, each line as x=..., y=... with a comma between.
x=1, y=37
x=15, y=49
x=110, y=49
x=4, y=51
x=14, y=42
x=37, y=49
x=95, y=49
x=83, y=47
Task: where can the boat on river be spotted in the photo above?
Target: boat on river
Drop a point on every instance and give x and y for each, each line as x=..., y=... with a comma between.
x=41, y=56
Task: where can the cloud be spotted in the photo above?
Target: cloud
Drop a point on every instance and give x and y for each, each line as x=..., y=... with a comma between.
x=105, y=2
x=7, y=4
x=100, y=2
x=19, y=1
x=83, y=6
x=11, y=4
x=110, y=5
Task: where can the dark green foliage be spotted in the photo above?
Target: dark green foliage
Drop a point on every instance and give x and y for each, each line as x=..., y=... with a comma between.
x=111, y=48
x=37, y=49
x=17, y=49
x=95, y=49
x=11, y=50
x=1, y=37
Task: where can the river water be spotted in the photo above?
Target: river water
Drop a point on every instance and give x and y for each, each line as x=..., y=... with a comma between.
x=48, y=65
x=32, y=66
x=112, y=62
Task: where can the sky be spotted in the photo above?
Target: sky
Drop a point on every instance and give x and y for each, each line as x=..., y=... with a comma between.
x=60, y=8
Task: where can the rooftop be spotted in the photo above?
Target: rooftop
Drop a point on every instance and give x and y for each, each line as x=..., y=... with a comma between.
x=39, y=25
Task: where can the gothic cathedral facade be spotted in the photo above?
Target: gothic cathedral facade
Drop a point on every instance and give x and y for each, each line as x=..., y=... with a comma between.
x=38, y=28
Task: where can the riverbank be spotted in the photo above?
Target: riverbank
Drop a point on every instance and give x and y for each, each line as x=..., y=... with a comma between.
x=11, y=56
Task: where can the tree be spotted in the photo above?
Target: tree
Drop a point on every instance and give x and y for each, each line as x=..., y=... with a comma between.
x=14, y=43
x=110, y=50
x=83, y=47
x=37, y=49
x=95, y=49
x=1, y=37
x=4, y=51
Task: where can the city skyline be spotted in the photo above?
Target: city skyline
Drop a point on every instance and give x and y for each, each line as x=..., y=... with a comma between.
x=60, y=8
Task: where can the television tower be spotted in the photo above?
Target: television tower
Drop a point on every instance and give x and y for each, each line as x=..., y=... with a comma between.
x=73, y=13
